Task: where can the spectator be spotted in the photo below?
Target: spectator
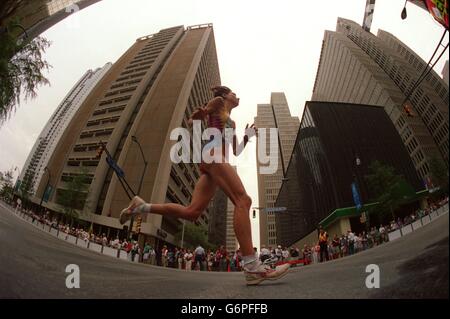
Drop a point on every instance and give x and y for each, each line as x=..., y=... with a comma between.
x=177, y=255
x=146, y=253
x=223, y=259
x=164, y=253
x=285, y=254
x=382, y=232
x=104, y=240
x=188, y=260
x=307, y=254
x=344, y=245
x=279, y=253
x=323, y=243
x=335, y=244
x=171, y=258
x=358, y=243
x=316, y=254
x=351, y=242
x=152, y=256
x=199, y=257
x=134, y=251
x=364, y=240
x=264, y=254
x=209, y=260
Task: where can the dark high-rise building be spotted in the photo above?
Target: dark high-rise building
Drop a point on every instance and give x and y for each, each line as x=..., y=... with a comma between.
x=323, y=163
x=358, y=67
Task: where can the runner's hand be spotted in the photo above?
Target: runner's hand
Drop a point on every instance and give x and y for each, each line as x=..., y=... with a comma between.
x=251, y=131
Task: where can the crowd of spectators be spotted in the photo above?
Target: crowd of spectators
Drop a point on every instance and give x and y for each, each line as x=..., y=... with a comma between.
x=326, y=248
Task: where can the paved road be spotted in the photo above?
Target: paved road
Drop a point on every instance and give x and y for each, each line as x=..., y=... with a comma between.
x=32, y=265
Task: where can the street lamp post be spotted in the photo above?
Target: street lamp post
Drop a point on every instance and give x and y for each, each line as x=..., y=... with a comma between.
x=135, y=140
x=46, y=186
x=182, y=234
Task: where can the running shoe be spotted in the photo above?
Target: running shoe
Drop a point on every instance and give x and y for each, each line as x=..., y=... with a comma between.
x=126, y=213
x=263, y=272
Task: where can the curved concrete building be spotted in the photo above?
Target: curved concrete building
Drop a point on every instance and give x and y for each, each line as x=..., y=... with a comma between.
x=152, y=89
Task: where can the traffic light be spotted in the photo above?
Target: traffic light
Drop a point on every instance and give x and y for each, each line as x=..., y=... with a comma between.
x=254, y=213
x=138, y=224
x=99, y=151
x=408, y=110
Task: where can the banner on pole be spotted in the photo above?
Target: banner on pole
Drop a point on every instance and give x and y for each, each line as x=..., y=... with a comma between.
x=356, y=196
x=48, y=192
x=439, y=10
x=114, y=166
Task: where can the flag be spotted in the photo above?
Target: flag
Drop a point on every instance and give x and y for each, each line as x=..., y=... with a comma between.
x=356, y=196
x=114, y=166
x=439, y=10
x=47, y=193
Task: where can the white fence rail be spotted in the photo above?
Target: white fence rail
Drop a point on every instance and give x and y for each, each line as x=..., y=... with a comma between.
x=105, y=250
x=418, y=223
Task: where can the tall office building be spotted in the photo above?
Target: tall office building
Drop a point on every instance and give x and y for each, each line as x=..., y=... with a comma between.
x=45, y=144
x=323, y=166
x=231, y=243
x=419, y=3
x=275, y=114
x=445, y=72
x=217, y=227
x=152, y=89
x=358, y=67
x=36, y=16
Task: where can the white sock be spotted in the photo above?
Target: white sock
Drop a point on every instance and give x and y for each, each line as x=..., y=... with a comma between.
x=143, y=208
x=250, y=261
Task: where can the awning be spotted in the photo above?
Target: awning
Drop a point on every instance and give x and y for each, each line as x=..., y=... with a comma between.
x=345, y=212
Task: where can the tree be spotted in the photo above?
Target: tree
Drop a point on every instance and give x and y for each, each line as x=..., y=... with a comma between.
x=6, y=185
x=439, y=173
x=10, y=9
x=21, y=68
x=387, y=188
x=73, y=196
x=194, y=235
x=26, y=185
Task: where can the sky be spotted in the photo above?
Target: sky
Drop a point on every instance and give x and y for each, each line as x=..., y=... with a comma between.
x=263, y=46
